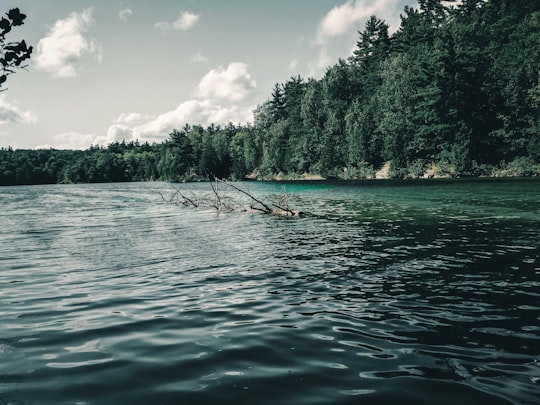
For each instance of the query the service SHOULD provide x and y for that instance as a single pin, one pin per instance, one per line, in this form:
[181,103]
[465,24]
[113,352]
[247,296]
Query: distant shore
[387,172]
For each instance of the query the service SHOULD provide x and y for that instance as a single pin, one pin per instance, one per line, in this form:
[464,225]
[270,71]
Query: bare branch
[266,207]
[225,203]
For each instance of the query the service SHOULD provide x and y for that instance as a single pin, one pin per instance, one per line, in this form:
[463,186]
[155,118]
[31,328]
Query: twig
[162,197]
[218,199]
[174,195]
[190,201]
[266,207]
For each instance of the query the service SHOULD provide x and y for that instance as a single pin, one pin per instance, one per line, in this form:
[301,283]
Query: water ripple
[381,294]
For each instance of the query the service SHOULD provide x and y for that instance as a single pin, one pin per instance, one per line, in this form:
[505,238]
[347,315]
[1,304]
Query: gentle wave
[380,294]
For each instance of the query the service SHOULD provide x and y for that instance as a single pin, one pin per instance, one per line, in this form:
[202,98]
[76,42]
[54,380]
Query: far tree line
[455,89]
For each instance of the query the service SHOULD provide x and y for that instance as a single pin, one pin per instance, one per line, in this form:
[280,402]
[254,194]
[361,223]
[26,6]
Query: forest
[454,92]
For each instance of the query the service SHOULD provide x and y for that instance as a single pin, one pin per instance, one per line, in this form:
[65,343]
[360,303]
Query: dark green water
[387,292]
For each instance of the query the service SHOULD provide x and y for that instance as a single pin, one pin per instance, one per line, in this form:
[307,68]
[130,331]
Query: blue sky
[111,70]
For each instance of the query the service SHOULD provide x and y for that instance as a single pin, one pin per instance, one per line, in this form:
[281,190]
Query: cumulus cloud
[61,52]
[132,119]
[211,105]
[184,22]
[347,19]
[70,140]
[11,113]
[125,13]
[77,140]
[199,58]
[233,83]
[195,112]
[342,19]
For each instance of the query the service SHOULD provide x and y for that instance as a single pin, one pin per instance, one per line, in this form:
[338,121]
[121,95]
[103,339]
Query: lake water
[386,292]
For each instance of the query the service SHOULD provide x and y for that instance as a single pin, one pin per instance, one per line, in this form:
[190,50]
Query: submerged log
[287,213]
[223,202]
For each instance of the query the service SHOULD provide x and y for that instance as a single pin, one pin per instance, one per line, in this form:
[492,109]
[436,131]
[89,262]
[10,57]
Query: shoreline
[329,180]
[387,171]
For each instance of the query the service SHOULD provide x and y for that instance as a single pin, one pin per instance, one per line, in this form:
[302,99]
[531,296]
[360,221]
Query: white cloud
[132,119]
[293,64]
[233,83]
[184,22]
[199,58]
[118,132]
[70,140]
[76,140]
[346,20]
[212,105]
[11,113]
[321,63]
[60,53]
[125,13]
[342,19]
[193,112]
[452,3]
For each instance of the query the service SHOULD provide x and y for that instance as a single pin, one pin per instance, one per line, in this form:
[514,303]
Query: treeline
[455,91]
[118,162]
[193,153]
[455,87]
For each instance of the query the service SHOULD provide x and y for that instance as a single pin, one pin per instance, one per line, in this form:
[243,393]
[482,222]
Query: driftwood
[224,202]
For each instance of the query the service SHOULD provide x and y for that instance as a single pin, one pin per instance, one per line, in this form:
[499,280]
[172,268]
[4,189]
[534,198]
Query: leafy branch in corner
[12,54]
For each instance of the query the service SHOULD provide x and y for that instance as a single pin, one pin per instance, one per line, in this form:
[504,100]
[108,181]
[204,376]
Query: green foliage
[275,148]
[363,139]
[361,171]
[417,168]
[395,100]
[522,166]
[371,50]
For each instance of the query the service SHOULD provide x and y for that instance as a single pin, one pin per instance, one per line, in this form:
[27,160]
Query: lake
[384,292]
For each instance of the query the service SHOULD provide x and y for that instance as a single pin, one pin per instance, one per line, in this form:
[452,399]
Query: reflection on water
[387,291]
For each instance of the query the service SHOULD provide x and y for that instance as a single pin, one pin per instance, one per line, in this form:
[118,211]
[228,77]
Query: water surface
[418,292]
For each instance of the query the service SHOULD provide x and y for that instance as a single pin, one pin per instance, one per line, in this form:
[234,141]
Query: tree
[396,100]
[176,158]
[313,117]
[514,74]
[364,144]
[533,148]
[372,49]
[277,103]
[336,97]
[294,90]
[12,54]
[275,154]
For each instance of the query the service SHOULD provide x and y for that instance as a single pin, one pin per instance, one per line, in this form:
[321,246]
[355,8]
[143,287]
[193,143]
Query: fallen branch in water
[223,202]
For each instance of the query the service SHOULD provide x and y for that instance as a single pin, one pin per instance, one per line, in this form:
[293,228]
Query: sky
[112,70]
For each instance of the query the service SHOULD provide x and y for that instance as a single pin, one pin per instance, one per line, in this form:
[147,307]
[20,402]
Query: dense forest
[455,91]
